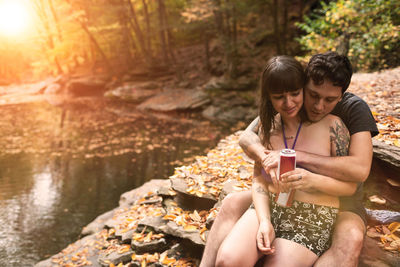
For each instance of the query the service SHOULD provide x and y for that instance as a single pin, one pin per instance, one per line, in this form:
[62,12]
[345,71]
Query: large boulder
[387,153]
[134,92]
[179,99]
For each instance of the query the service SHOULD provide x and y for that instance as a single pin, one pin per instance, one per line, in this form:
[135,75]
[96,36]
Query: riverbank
[166,222]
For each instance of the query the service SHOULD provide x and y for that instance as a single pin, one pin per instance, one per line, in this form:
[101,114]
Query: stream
[62,166]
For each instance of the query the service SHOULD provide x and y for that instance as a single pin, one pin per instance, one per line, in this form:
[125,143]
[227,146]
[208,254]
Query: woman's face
[288,104]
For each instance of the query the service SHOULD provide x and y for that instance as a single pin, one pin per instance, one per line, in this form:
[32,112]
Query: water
[61,167]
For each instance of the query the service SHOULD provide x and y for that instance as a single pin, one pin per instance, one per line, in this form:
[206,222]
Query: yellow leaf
[394,226]
[190,228]
[148,237]
[170,217]
[168,261]
[123,249]
[396,142]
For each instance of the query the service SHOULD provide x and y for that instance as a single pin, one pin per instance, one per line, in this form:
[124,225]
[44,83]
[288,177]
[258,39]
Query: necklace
[284,137]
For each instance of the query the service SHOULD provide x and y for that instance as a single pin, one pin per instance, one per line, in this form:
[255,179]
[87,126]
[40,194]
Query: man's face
[320,100]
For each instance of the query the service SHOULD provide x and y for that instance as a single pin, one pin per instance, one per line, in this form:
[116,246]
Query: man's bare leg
[347,242]
[233,207]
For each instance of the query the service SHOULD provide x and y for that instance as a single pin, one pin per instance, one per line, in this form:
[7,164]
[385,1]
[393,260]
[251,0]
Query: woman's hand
[297,179]
[265,236]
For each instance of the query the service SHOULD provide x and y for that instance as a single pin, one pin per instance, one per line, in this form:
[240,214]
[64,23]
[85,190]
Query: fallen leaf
[394,226]
[377,199]
[393,182]
[190,228]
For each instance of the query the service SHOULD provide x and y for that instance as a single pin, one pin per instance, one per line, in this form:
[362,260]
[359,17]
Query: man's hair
[332,67]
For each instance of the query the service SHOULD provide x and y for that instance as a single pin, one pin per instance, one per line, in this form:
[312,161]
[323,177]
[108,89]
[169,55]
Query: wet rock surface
[179,99]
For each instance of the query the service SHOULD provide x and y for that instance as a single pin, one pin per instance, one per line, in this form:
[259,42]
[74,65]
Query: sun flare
[15,17]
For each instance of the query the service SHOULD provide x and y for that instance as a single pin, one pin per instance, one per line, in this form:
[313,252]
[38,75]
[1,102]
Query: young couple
[331,166]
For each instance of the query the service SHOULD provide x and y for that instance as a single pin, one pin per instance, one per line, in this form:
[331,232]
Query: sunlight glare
[14,17]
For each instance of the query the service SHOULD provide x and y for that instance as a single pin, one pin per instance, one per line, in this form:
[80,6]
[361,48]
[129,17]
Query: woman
[296,235]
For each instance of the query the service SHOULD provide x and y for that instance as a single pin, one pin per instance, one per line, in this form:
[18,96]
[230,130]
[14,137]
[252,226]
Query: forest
[41,38]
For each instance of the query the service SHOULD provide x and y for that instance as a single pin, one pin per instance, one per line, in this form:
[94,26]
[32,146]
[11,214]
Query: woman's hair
[281,74]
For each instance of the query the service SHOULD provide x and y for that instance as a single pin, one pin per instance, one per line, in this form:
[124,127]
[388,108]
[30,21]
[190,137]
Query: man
[323,94]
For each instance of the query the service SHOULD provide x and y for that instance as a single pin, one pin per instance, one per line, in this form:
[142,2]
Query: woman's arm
[265,233]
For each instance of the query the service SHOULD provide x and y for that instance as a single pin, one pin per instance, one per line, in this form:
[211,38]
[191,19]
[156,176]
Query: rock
[134,92]
[84,247]
[221,83]
[115,257]
[171,228]
[214,83]
[176,100]
[150,247]
[54,88]
[188,201]
[229,114]
[130,197]
[372,255]
[211,112]
[387,153]
[85,86]
[98,223]
[382,216]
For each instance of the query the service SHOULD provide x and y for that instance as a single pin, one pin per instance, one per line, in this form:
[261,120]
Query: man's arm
[250,142]
[353,168]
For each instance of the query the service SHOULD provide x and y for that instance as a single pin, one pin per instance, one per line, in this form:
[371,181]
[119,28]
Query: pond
[61,167]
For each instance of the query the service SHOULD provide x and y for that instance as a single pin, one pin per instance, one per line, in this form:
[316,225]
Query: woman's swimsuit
[307,224]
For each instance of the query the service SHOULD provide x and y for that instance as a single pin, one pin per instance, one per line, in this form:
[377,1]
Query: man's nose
[319,105]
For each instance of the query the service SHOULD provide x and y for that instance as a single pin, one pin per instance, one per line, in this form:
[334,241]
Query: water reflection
[54,181]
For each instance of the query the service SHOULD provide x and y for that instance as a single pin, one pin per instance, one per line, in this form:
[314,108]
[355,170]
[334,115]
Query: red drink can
[287,163]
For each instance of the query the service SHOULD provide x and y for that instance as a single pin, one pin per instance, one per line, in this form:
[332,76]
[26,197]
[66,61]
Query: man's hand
[265,236]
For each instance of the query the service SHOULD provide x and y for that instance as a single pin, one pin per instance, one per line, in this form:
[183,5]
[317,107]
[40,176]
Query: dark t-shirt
[355,114]
[357,117]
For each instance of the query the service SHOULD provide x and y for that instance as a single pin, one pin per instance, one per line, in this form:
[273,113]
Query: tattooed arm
[352,165]
[250,142]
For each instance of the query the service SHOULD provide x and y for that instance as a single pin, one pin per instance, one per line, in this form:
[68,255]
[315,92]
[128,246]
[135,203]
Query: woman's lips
[291,110]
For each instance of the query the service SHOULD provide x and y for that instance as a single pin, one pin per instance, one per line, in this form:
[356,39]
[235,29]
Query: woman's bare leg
[289,254]
[233,207]
[239,247]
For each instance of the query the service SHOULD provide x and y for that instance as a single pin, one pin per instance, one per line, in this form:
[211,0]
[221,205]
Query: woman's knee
[226,257]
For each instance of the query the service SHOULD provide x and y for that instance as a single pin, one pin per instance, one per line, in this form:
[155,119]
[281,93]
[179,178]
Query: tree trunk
[41,12]
[56,21]
[96,45]
[284,26]
[148,36]
[275,16]
[161,28]
[138,32]
[219,22]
